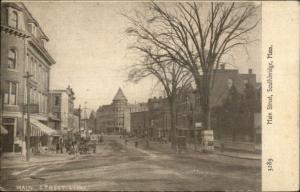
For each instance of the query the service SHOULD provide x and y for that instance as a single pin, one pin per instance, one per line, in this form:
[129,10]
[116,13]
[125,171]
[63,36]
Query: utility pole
[79,119]
[85,119]
[28,129]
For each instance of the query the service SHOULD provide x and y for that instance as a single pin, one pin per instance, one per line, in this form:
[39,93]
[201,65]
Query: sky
[88,43]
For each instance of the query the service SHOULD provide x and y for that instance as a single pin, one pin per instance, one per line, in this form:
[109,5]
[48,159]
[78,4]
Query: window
[12,59]
[31,96]
[33,29]
[40,102]
[46,79]
[27,63]
[10,93]
[13,19]
[39,73]
[56,100]
[25,95]
[32,66]
[45,104]
[36,97]
[36,69]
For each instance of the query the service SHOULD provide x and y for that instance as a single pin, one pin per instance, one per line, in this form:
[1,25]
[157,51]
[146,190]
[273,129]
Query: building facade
[92,122]
[115,118]
[154,122]
[236,109]
[61,104]
[23,50]
[110,118]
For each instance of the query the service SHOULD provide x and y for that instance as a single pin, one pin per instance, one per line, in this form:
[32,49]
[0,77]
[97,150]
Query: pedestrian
[57,147]
[136,144]
[61,146]
[75,149]
[126,141]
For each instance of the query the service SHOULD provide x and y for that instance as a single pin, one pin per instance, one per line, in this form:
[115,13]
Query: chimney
[222,66]
[249,71]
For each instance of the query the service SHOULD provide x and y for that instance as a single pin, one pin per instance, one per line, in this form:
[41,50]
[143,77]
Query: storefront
[7,140]
[4,132]
[41,135]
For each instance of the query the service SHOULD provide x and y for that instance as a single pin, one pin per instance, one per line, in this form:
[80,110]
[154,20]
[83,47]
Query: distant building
[61,104]
[115,118]
[153,122]
[23,50]
[235,103]
[129,110]
[92,122]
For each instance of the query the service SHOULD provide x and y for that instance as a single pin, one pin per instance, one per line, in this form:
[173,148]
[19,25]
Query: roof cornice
[13,31]
[42,50]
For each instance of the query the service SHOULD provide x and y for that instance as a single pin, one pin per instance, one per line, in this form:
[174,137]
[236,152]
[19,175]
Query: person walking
[75,149]
[61,146]
[57,146]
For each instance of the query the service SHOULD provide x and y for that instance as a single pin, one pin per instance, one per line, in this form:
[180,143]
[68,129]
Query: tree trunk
[204,92]
[173,123]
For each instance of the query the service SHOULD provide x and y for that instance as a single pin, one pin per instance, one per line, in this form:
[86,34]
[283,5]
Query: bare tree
[172,77]
[196,36]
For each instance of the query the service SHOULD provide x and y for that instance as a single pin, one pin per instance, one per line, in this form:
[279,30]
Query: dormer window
[13,19]
[33,29]
[12,59]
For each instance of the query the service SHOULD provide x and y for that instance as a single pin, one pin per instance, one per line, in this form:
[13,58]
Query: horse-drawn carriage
[87,146]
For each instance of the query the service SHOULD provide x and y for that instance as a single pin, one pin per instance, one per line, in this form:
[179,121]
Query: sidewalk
[241,155]
[166,148]
[17,160]
[229,158]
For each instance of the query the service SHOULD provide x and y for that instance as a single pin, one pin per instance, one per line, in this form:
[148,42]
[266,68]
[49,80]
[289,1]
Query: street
[116,166]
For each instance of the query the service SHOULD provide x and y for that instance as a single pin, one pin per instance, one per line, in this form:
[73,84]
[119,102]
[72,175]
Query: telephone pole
[79,118]
[28,129]
[85,119]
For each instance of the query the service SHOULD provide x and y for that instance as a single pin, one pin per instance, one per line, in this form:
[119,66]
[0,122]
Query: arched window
[13,19]
[12,59]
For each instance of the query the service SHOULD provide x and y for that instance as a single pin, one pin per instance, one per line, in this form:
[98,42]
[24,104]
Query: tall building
[23,49]
[115,118]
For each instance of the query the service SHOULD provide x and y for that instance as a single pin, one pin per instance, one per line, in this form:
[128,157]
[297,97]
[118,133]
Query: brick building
[115,118]
[61,108]
[154,122]
[23,50]
[246,127]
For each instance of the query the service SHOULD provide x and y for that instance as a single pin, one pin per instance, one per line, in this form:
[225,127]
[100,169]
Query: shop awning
[3,130]
[43,128]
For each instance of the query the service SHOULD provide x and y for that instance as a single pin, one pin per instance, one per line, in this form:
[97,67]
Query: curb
[30,164]
[240,157]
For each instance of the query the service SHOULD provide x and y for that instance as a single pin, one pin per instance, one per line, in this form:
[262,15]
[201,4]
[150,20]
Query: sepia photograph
[132,96]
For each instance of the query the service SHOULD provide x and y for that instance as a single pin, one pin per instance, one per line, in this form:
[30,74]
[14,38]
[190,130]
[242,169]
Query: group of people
[71,147]
[136,143]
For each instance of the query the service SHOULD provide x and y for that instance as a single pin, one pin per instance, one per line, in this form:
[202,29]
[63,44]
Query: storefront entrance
[8,139]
